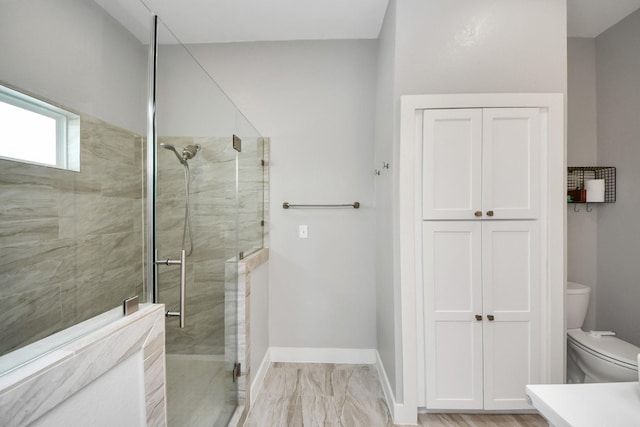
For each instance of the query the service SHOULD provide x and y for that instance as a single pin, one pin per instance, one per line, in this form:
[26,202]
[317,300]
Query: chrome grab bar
[183,283]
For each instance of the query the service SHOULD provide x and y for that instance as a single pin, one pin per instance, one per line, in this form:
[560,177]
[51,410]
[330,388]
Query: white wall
[388,304]
[316,101]
[189,103]
[472,46]
[582,151]
[618,104]
[73,53]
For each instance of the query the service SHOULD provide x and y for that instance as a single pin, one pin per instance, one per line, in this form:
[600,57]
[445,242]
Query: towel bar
[355,205]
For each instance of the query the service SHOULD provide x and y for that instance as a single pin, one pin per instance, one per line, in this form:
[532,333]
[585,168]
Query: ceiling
[216,21]
[589,18]
[205,21]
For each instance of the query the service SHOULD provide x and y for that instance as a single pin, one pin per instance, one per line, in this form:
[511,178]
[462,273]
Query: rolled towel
[595,190]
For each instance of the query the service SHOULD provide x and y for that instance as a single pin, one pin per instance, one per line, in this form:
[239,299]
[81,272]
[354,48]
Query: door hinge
[237,371]
[262,223]
[130,305]
[237,143]
[262,162]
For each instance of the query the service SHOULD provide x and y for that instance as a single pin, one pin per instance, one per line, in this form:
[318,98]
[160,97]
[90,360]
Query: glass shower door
[196,205]
[199,361]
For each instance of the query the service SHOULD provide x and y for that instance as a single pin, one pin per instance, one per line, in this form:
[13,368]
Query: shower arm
[183,282]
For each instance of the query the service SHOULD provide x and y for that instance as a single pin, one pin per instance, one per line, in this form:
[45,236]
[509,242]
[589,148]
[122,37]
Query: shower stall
[168,195]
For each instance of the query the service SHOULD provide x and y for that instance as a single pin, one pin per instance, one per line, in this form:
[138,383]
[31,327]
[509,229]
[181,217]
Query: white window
[33,131]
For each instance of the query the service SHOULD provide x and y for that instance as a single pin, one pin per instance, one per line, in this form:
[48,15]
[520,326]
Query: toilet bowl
[593,356]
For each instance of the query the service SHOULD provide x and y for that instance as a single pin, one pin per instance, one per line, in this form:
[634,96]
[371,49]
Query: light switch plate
[303,231]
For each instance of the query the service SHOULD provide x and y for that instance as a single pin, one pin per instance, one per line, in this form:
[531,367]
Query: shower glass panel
[195,117]
[71,242]
[251,183]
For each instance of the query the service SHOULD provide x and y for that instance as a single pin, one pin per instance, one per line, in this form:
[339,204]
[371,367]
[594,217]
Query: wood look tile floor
[481,420]
[309,394]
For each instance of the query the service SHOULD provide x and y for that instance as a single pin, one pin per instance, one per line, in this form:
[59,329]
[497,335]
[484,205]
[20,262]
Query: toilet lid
[608,346]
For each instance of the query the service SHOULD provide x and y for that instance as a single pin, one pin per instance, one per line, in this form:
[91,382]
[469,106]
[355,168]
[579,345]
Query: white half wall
[113,374]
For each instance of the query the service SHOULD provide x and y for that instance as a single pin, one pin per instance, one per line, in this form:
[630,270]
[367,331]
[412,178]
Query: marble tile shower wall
[71,243]
[216,218]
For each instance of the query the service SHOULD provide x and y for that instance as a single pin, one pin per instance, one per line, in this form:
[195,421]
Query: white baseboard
[404,416]
[258,378]
[399,413]
[386,387]
[365,356]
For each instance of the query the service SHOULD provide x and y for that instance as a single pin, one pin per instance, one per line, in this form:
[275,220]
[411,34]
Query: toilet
[595,356]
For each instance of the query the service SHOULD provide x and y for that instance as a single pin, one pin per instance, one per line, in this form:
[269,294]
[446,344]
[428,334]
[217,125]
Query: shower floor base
[199,391]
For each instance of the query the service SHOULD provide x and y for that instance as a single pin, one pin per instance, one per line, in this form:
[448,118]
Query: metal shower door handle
[183,283]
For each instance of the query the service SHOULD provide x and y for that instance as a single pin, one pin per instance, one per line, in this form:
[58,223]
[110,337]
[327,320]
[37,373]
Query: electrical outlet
[303,231]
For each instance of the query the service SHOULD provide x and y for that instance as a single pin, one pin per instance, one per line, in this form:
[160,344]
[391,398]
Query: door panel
[511,293]
[509,365]
[451,163]
[452,298]
[456,381]
[510,162]
[508,269]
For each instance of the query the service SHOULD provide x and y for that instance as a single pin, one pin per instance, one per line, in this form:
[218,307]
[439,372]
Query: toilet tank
[577,304]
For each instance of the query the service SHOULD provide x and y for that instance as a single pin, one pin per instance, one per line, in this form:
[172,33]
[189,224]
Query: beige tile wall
[218,220]
[72,246]
[71,243]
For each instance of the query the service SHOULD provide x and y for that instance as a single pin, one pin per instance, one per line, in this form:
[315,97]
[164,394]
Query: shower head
[190,151]
[173,148]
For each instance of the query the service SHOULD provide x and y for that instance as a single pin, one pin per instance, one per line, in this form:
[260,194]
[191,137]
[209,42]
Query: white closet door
[511,294]
[511,162]
[452,299]
[452,156]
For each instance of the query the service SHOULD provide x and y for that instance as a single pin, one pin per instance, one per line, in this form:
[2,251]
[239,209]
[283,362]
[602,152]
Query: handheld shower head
[190,151]
[173,148]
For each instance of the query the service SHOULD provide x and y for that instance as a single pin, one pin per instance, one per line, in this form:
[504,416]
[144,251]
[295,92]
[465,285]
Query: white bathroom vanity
[587,405]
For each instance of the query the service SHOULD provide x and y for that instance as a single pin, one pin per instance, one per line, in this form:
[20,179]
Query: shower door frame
[152,173]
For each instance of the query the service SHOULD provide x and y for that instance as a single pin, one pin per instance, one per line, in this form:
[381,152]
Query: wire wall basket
[577,175]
